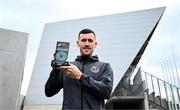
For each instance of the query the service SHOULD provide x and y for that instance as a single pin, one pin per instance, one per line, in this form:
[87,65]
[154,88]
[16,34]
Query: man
[86,82]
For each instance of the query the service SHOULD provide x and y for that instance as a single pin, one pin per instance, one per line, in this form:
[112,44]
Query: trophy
[61,54]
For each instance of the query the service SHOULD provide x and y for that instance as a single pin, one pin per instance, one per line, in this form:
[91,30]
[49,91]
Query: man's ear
[77,42]
[95,45]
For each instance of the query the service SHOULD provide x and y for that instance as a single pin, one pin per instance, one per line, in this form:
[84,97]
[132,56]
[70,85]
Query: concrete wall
[12,59]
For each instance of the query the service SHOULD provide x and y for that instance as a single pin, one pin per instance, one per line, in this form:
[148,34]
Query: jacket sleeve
[54,83]
[101,88]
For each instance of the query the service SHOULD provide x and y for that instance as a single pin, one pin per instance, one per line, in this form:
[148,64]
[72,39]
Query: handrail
[161,89]
[136,81]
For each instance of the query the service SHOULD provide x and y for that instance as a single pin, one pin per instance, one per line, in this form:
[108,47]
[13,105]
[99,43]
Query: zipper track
[82,87]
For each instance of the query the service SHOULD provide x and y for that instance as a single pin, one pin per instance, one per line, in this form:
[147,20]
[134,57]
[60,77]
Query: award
[61,54]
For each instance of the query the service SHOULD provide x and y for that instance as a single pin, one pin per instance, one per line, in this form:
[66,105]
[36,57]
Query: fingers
[67,70]
[69,73]
[72,71]
[57,68]
[65,67]
[71,65]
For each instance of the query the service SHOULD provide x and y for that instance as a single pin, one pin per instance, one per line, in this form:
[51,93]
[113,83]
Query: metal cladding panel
[13,46]
[119,37]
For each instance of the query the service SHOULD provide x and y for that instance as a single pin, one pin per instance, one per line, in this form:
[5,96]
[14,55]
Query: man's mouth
[87,48]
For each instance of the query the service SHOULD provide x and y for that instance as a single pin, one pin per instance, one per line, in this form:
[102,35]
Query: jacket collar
[85,58]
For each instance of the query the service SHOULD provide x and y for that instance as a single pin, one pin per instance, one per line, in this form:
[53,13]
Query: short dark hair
[86,31]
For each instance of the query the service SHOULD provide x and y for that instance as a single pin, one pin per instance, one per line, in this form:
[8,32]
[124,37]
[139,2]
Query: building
[122,39]
[13,47]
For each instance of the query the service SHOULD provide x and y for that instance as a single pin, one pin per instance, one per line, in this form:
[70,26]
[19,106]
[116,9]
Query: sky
[30,16]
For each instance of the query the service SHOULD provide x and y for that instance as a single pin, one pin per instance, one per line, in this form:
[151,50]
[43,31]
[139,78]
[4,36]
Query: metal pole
[164,76]
[169,72]
[167,96]
[171,66]
[160,99]
[146,82]
[172,93]
[178,93]
[153,88]
[168,78]
[177,74]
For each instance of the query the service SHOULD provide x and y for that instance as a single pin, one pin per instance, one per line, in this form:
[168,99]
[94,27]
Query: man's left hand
[72,71]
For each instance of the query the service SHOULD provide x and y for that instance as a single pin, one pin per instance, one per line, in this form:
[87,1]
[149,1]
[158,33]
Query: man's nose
[87,42]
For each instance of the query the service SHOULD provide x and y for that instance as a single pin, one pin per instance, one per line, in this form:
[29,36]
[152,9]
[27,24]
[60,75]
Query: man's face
[86,43]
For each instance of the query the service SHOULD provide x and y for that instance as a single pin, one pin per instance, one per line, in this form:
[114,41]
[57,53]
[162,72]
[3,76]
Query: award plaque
[61,54]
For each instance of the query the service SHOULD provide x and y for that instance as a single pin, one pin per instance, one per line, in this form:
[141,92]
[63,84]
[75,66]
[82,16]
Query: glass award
[61,54]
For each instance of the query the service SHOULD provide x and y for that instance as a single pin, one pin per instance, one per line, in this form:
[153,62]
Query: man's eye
[90,40]
[83,40]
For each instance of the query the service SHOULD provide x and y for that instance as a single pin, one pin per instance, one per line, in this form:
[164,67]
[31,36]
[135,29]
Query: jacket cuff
[54,72]
[82,76]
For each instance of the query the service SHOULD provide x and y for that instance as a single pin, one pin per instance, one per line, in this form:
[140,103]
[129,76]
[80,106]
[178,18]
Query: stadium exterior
[122,39]
[13,45]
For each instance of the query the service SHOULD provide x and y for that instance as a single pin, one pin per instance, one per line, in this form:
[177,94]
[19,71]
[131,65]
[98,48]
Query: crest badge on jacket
[94,69]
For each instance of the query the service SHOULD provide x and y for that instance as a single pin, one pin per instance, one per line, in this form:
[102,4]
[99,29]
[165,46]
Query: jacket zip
[82,87]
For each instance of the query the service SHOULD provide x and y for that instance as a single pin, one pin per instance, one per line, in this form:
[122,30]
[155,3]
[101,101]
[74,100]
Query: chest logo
[94,69]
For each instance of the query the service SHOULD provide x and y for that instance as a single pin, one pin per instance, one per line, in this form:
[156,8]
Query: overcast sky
[30,16]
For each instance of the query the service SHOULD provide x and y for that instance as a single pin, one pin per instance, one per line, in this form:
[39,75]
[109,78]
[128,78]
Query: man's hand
[71,71]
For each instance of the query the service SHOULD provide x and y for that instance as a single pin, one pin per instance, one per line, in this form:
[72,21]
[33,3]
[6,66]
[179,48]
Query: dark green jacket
[89,91]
